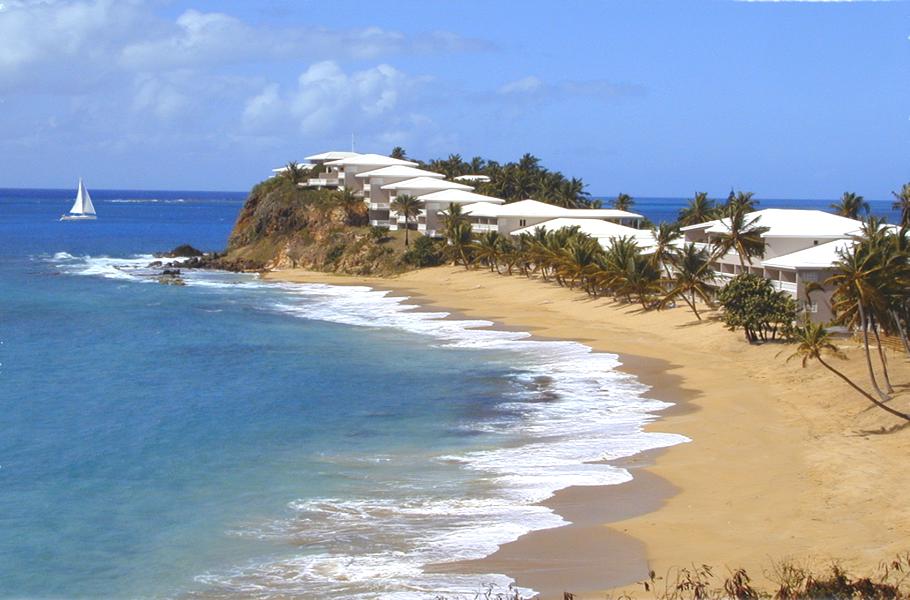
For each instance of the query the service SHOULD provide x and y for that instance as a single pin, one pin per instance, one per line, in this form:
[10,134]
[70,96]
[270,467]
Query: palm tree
[743,200]
[665,236]
[642,279]
[622,202]
[692,278]
[699,210]
[611,272]
[451,217]
[294,172]
[408,207]
[488,248]
[814,342]
[902,203]
[460,238]
[399,153]
[743,235]
[856,296]
[850,205]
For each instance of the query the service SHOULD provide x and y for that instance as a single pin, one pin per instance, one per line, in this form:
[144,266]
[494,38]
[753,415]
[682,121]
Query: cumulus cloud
[326,97]
[47,42]
[61,45]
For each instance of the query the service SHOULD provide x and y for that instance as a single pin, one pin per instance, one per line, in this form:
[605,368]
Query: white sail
[87,207]
[83,204]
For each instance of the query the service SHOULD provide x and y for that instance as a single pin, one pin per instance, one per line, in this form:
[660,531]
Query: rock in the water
[181,251]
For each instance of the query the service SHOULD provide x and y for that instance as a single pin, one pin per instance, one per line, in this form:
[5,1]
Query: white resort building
[602,231]
[379,180]
[801,247]
[507,218]
[342,173]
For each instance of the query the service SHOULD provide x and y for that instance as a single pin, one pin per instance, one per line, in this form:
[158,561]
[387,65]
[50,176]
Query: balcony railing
[380,205]
[784,286]
[323,181]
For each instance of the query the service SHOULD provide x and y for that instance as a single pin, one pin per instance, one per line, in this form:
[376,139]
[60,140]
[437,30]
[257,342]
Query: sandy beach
[784,462]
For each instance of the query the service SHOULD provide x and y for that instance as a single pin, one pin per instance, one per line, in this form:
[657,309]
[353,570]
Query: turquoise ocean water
[233,438]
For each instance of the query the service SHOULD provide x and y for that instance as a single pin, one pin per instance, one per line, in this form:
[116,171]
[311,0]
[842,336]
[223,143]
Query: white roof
[370,160]
[482,209]
[482,178]
[459,197]
[401,172]
[426,184]
[533,208]
[600,230]
[816,257]
[791,222]
[332,155]
[301,165]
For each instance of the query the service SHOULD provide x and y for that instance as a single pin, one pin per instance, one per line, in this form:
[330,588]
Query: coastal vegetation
[513,181]
[283,225]
[788,580]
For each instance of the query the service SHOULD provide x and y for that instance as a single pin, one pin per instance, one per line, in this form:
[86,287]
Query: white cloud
[534,87]
[63,44]
[326,98]
[524,85]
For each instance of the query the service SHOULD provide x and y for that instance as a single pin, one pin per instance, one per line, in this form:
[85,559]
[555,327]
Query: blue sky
[787,99]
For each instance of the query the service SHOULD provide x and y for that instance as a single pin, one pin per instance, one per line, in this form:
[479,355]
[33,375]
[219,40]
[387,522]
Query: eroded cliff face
[282,226]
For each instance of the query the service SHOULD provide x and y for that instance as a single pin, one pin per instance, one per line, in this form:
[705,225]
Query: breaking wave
[568,409]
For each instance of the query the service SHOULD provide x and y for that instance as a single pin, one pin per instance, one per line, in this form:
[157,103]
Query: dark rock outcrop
[283,226]
[181,251]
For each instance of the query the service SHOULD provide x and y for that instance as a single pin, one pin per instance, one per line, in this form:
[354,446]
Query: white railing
[483,227]
[323,181]
[380,205]
[784,286]
[379,222]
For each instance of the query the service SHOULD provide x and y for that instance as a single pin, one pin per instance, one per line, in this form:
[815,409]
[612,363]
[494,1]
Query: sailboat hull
[78,218]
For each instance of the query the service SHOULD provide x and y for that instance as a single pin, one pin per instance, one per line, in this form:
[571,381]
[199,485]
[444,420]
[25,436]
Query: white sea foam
[569,409]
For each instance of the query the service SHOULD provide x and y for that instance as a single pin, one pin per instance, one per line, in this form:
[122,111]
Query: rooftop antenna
[352,142]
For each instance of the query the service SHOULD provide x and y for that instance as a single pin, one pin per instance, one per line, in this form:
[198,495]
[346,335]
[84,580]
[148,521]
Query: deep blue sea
[236,438]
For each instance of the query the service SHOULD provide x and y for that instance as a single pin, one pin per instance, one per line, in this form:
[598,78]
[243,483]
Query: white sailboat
[83,209]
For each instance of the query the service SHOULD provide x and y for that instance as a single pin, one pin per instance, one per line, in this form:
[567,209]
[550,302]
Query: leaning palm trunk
[882,358]
[901,330]
[865,325]
[866,394]
[692,304]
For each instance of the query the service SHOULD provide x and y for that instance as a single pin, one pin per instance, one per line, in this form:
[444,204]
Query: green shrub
[750,302]
[424,252]
[378,234]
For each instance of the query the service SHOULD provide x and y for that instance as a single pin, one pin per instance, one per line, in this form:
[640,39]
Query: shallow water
[236,437]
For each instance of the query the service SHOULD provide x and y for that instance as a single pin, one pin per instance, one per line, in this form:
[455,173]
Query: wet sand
[784,462]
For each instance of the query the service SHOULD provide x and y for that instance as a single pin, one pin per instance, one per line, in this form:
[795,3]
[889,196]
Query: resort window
[522,222]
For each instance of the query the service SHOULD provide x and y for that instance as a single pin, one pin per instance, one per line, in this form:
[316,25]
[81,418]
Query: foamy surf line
[570,410]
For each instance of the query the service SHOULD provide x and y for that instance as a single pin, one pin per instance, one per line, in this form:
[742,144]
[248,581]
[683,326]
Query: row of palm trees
[576,260]
[851,205]
[871,279]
